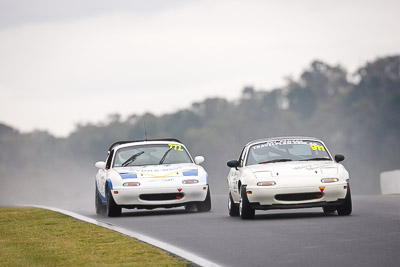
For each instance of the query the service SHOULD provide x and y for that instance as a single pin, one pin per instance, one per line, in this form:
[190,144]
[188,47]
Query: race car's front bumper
[258,206]
[261,197]
[132,197]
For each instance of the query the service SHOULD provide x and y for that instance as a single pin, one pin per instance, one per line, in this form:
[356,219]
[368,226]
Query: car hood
[296,168]
[159,171]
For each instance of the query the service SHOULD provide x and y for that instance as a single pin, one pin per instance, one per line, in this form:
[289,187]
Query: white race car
[148,174]
[287,173]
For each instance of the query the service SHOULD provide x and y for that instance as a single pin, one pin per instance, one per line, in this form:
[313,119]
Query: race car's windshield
[155,154]
[286,150]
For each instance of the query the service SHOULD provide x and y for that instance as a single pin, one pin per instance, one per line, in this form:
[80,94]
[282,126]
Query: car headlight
[131,184]
[329,180]
[266,183]
[190,181]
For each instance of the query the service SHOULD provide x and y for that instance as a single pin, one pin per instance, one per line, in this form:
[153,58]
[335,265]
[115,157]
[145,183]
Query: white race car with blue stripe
[148,174]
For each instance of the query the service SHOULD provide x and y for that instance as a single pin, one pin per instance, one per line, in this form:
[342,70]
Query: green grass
[36,237]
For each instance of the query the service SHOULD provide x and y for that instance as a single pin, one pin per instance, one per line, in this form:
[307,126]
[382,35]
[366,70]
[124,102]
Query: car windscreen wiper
[314,159]
[164,156]
[132,159]
[275,160]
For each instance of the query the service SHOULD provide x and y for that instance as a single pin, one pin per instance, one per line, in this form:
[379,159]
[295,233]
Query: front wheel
[233,208]
[346,208]
[245,210]
[113,210]
[206,204]
[98,204]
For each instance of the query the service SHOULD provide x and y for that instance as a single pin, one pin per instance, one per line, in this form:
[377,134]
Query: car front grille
[164,196]
[299,196]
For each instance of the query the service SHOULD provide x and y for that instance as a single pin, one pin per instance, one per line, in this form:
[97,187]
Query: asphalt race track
[307,237]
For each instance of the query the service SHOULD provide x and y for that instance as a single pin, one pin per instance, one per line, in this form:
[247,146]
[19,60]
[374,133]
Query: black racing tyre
[100,208]
[245,210]
[205,205]
[112,210]
[233,208]
[329,209]
[346,208]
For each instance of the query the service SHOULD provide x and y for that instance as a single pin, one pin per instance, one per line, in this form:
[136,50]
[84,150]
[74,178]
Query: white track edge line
[152,241]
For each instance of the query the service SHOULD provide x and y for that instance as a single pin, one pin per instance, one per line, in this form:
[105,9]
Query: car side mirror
[233,164]
[100,165]
[339,158]
[198,160]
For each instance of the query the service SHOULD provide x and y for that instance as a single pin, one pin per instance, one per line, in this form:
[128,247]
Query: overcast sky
[75,61]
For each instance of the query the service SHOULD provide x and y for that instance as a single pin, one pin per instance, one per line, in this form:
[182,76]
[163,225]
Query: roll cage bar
[144,140]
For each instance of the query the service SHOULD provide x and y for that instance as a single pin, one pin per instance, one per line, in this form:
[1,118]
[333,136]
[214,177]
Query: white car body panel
[291,177]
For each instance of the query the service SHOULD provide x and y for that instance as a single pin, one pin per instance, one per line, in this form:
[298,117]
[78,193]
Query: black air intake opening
[164,196]
[299,196]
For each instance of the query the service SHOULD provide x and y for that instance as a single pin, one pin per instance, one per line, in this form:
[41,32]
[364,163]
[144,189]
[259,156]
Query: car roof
[119,143]
[282,138]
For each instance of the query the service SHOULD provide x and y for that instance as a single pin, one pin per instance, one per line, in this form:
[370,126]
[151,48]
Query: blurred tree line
[357,115]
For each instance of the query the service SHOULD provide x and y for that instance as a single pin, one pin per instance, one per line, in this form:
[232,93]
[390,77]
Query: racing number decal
[317,147]
[176,147]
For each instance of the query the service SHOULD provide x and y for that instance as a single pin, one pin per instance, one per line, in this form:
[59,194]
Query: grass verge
[36,237]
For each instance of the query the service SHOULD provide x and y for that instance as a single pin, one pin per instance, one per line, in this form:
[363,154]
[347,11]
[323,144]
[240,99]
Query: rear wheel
[245,210]
[346,207]
[233,208]
[206,204]
[113,210]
